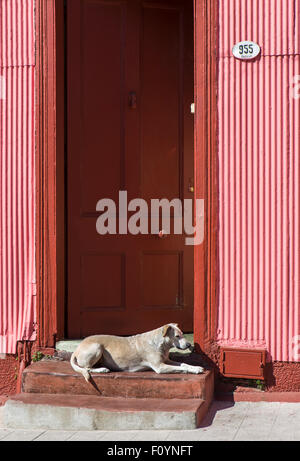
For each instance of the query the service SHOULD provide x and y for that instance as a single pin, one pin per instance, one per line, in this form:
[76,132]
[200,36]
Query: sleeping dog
[146,351]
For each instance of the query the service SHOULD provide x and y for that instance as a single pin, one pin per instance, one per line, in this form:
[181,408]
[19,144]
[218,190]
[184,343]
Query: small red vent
[243,363]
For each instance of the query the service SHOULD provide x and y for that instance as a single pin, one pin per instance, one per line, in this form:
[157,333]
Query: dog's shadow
[191,358]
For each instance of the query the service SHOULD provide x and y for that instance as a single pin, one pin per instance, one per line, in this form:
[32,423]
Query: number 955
[246,49]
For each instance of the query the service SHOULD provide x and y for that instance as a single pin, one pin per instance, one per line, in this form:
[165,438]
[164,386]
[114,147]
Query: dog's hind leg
[89,357]
[92,356]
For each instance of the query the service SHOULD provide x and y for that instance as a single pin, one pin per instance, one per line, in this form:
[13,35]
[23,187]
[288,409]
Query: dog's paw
[185,368]
[192,369]
[105,370]
[100,370]
[198,370]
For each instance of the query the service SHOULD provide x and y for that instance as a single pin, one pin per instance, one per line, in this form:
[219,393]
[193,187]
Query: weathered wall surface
[8,375]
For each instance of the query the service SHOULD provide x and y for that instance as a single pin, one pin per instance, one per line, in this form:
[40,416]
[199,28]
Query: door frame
[50,171]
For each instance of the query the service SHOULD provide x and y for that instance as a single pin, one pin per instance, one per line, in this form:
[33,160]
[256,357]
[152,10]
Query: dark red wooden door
[130,87]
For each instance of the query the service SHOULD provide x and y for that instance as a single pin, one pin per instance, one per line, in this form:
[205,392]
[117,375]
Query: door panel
[165,272]
[130,86]
[102,81]
[110,286]
[162,101]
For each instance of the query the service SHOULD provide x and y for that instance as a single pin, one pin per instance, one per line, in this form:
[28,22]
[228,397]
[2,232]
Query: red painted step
[51,377]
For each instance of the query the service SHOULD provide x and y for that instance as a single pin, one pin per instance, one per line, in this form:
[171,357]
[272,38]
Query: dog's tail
[83,371]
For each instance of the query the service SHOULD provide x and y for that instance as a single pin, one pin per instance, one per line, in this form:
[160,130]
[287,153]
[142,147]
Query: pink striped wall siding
[274,24]
[17,33]
[17,205]
[259,184]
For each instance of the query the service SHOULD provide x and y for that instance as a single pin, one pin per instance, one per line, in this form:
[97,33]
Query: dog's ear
[165,330]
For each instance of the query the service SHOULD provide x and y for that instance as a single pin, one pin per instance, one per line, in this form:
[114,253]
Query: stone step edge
[61,412]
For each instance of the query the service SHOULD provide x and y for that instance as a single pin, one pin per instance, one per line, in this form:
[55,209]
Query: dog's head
[173,336]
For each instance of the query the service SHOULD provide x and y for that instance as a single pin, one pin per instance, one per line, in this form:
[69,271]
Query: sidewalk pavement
[225,421]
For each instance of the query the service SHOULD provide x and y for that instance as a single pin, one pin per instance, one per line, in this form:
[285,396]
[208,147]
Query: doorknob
[191,185]
[132,100]
[162,234]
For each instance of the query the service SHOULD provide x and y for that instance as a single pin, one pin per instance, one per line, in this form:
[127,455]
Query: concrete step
[57,377]
[88,412]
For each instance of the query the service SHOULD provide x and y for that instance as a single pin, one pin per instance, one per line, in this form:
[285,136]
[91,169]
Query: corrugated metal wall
[259,177]
[17,269]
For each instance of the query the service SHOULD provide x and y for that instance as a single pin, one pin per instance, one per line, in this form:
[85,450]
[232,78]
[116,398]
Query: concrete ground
[225,421]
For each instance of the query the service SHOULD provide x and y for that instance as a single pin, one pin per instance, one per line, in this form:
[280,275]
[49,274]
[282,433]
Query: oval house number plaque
[246,50]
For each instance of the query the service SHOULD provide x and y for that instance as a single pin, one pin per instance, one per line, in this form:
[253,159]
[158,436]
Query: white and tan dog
[146,351]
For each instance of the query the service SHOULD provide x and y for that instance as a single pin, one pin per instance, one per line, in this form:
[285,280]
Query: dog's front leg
[182,368]
[99,370]
[190,368]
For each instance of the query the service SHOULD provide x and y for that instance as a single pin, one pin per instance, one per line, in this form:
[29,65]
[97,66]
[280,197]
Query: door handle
[132,100]
[191,185]
[162,234]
